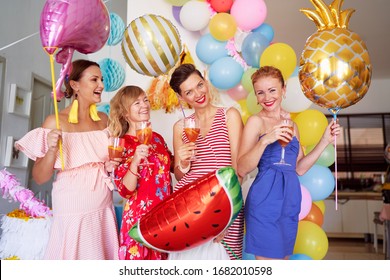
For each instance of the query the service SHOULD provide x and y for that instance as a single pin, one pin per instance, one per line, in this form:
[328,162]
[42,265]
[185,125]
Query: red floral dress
[154,184]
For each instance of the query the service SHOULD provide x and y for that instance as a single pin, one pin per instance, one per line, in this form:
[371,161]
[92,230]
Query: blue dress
[273,204]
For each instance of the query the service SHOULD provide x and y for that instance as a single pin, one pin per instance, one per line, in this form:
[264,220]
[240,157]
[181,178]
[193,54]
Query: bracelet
[135,174]
[184,170]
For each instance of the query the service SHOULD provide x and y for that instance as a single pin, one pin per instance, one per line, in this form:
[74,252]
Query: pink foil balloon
[73,25]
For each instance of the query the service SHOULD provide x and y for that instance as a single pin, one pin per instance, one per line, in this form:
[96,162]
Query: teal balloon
[209,50]
[225,73]
[299,257]
[319,181]
[327,156]
[252,48]
[266,30]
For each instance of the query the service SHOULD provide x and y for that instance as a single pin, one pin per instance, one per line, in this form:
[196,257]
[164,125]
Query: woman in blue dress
[273,203]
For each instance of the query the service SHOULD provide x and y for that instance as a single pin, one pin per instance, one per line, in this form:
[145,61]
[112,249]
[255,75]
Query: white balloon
[194,15]
[295,100]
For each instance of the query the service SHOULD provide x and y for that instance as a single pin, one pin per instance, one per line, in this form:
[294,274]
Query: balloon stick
[334,111]
[55,100]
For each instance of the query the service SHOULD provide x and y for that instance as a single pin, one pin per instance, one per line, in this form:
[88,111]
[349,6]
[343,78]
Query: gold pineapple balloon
[335,70]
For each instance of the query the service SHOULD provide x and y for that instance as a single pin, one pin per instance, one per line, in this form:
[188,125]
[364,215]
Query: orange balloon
[315,215]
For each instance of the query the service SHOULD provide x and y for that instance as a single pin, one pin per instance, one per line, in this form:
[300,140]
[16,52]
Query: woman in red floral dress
[143,186]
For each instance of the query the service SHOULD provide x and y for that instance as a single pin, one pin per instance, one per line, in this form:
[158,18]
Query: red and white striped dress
[213,152]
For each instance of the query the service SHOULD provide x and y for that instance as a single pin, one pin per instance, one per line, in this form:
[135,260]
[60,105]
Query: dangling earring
[93,113]
[73,113]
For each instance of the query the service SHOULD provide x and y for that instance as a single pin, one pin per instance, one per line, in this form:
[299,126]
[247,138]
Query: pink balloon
[73,25]
[249,14]
[237,93]
[306,203]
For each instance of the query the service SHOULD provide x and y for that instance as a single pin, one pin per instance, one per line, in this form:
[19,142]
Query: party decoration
[193,215]
[251,103]
[306,203]
[315,215]
[237,93]
[249,14]
[327,156]
[11,189]
[105,108]
[222,26]
[320,204]
[299,257]
[177,2]
[208,49]
[311,240]
[295,100]
[311,125]
[266,30]
[83,26]
[225,73]
[195,15]
[281,56]
[117,27]
[246,79]
[319,181]
[113,74]
[151,45]
[221,6]
[335,69]
[252,48]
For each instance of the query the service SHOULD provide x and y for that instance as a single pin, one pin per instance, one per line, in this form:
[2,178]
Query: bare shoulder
[233,113]
[103,123]
[50,122]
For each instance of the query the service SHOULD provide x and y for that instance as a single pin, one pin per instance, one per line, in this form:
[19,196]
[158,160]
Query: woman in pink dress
[215,147]
[142,185]
[84,224]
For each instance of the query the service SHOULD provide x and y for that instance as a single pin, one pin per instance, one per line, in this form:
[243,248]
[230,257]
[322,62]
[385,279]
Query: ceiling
[370,21]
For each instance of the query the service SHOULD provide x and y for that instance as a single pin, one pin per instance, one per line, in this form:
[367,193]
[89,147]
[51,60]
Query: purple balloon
[73,25]
[176,13]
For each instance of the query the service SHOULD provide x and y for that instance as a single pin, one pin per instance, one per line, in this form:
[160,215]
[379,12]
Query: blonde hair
[119,107]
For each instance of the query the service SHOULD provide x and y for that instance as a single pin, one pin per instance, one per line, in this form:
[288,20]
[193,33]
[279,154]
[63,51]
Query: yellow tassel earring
[93,113]
[73,113]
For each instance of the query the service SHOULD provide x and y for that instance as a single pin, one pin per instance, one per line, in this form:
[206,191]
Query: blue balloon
[319,181]
[252,48]
[266,30]
[209,50]
[295,73]
[225,73]
[299,257]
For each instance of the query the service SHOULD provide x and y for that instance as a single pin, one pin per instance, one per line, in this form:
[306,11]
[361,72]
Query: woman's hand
[278,132]
[53,137]
[112,164]
[331,132]
[141,153]
[185,152]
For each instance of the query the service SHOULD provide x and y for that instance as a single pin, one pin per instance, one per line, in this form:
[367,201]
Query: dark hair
[181,74]
[78,67]
[267,71]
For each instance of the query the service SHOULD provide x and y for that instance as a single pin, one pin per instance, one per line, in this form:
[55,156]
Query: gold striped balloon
[151,45]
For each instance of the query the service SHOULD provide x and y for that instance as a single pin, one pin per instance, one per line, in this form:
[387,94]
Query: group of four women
[84,225]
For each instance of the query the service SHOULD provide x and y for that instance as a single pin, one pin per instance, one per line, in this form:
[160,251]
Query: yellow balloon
[251,103]
[244,110]
[281,56]
[311,240]
[321,205]
[222,26]
[311,125]
[151,45]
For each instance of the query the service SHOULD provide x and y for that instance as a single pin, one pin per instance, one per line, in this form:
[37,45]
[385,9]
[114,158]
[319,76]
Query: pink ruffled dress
[84,224]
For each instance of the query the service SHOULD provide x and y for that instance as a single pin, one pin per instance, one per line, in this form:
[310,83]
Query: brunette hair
[181,74]
[78,67]
[267,71]
[119,107]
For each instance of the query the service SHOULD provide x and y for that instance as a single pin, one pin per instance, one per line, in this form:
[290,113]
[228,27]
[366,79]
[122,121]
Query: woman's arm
[304,163]
[235,128]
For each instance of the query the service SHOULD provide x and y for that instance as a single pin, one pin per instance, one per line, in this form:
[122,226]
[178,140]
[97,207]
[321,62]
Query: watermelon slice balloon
[193,215]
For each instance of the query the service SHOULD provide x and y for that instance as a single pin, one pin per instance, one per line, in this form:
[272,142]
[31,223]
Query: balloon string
[334,111]
[56,107]
[230,250]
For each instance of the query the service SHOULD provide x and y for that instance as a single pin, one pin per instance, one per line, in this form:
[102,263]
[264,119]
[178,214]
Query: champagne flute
[289,124]
[144,132]
[116,148]
[192,130]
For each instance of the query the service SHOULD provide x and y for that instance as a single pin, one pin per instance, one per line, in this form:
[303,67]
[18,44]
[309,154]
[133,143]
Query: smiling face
[139,110]
[90,86]
[269,92]
[194,90]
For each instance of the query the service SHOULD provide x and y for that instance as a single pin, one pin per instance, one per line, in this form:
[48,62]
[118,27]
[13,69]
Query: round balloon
[299,257]
[151,45]
[311,240]
[225,73]
[315,215]
[319,181]
[194,15]
[252,104]
[246,79]
[221,6]
[320,204]
[252,47]
[237,93]
[222,26]
[249,14]
[266,30]
[208,49]
[327,156]
[295,100]
[311,125]
[306,203]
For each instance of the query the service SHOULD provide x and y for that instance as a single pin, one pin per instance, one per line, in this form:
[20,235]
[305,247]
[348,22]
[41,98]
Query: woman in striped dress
[84,224]
[215,147]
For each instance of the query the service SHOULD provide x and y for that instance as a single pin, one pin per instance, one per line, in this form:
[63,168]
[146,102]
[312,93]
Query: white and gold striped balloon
[151,45]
